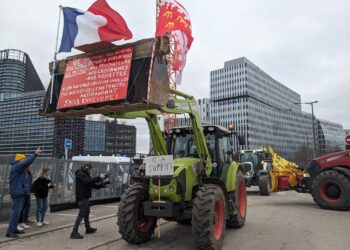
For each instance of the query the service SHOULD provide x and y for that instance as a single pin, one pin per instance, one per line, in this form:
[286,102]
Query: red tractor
[328,180]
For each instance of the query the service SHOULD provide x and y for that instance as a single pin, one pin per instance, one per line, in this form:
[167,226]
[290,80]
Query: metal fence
[62,174]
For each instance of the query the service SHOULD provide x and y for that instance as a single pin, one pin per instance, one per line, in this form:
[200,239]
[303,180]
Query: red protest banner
[96,79]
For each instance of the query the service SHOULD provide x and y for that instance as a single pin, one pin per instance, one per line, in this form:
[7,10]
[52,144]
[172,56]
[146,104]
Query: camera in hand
[103,182]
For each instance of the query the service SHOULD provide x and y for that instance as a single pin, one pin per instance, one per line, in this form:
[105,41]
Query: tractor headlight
[171,189]
[306,175]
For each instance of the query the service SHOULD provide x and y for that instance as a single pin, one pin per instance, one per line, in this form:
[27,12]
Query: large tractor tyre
[240,198]
[264,184]
[134,226]
[331,190]
[209,218]
[184,222]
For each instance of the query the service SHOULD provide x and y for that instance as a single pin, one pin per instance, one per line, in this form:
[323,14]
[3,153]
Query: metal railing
[62,174]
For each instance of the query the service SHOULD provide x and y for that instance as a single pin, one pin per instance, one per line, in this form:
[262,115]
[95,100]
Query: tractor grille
[163,181]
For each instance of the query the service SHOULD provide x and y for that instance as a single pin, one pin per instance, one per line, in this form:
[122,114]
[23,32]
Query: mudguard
[229,174]
[343,170]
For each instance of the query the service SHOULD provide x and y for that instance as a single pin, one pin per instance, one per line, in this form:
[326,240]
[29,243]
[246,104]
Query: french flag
[99,23]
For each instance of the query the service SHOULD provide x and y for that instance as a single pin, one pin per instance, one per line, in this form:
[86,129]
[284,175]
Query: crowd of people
[22,185]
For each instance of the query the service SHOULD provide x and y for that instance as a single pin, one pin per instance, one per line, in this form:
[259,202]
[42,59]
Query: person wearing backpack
[41,191]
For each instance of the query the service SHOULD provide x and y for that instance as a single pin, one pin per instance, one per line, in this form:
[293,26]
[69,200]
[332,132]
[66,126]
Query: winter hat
[19,157]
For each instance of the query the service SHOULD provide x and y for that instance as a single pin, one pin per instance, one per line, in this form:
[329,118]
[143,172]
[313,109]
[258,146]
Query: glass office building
[17,74]
[109,138]
[22,130]
[261,108]
[331,136]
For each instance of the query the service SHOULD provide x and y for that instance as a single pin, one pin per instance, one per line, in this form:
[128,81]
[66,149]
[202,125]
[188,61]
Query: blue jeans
[41,207]
[17,206]
[25,211]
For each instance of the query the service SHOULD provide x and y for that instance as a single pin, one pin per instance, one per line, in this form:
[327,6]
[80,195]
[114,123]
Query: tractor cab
[181,144]
[256,158]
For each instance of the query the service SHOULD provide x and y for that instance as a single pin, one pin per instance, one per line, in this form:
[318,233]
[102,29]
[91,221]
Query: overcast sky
[304,44]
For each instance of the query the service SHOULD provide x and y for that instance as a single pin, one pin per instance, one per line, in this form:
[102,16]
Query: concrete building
[260,107]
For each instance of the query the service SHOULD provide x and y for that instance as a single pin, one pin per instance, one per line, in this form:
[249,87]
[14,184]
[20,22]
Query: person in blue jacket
[19,189]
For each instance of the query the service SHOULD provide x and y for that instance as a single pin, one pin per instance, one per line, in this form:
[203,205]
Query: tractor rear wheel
[134,226]
[264,184]
[331,190]
[240,198]
[208,217]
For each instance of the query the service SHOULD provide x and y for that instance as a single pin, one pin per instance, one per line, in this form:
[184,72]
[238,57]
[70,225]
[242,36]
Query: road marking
[64,214]
[111,206]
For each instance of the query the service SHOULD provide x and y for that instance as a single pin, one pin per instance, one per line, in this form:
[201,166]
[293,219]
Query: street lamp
[313,122]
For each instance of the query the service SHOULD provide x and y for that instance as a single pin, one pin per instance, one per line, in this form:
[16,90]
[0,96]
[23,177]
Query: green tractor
[207,188]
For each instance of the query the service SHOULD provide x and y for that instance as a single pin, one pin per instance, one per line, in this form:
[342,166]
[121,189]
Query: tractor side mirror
[241,140]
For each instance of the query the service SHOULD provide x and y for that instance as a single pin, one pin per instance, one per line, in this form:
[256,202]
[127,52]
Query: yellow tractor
[271,172]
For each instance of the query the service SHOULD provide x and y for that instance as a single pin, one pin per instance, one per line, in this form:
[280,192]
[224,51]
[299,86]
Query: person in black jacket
[41,190]
[83,186]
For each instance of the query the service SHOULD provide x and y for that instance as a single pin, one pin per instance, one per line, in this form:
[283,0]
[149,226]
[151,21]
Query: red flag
[173,16]
[180,49]
[116,27]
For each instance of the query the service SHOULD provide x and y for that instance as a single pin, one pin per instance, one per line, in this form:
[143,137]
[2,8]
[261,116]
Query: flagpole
[153,50]
[55,54]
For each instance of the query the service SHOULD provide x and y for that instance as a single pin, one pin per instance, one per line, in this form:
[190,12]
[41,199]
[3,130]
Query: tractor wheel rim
[242,199]
[143,222]
[330,192]
[219,219]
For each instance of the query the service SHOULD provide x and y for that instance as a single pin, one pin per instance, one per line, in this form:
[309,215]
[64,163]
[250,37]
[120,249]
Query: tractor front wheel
[208,217]
[331,190]
[240,199]
[264,184]
[134,226]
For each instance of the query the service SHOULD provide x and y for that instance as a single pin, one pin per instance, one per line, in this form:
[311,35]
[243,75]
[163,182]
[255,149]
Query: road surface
[285,220]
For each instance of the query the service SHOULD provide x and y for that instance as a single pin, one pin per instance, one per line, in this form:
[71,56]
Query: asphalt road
[285,220]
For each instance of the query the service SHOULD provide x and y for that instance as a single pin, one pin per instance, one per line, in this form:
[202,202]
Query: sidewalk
[60,220]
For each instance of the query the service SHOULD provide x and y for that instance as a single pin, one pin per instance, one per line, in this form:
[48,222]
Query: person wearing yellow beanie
[19,189]
[20,157]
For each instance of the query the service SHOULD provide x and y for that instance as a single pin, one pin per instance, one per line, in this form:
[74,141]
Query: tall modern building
[331,136]
[108,138]
[17,74]
[261,108]
[347,132]
[203,106]
[22,130]
[72,129]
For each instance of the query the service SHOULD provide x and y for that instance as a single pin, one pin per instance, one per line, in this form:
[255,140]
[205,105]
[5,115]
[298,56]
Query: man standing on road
[19,189]
[83,186]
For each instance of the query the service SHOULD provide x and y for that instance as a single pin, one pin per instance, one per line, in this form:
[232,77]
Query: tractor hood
[187,162]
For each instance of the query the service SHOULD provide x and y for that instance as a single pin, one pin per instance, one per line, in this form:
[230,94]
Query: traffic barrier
[62,174]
